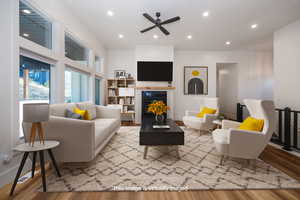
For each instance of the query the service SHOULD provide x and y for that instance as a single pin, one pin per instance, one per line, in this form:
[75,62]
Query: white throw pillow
[91,108]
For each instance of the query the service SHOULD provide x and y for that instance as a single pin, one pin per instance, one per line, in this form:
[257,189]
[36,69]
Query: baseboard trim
[8,176]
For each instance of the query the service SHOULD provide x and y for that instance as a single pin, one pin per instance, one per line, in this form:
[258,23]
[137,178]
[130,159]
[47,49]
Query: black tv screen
[154,71]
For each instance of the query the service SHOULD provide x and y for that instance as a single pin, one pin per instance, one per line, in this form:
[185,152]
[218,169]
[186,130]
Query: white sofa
[230,141]
[206,123]
[80,140]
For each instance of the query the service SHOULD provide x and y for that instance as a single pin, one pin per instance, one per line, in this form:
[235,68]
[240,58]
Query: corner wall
[9,59]
[287,66]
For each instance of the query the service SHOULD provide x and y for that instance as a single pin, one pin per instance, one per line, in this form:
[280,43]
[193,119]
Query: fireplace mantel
[155,88]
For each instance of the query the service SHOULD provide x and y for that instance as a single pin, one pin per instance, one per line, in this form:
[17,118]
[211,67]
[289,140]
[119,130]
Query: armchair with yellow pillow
[203,119]
[247,139]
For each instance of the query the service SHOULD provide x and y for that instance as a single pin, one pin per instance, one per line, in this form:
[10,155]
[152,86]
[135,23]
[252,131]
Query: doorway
[227,88]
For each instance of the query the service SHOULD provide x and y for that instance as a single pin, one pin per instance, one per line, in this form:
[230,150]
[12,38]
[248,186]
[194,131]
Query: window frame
[46,17]
[100,64]
[72,69]
[52,64]
[100,79]
[81,44]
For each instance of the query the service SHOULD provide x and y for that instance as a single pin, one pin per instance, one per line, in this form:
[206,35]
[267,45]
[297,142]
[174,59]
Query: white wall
[10,42]
[154,53]
[9,86]
[227,88]
[255,70]
[127,58]
[287,66]
[121,59]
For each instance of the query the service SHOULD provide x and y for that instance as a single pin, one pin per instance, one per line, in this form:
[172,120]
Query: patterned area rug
[120,166]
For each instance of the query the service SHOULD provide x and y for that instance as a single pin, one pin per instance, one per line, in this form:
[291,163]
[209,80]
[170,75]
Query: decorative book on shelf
[121,93]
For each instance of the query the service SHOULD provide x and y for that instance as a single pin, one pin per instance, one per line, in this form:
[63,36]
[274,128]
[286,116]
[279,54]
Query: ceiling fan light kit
[158,23]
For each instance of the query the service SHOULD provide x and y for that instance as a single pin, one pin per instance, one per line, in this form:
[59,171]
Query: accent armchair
[233,142]
[206,123]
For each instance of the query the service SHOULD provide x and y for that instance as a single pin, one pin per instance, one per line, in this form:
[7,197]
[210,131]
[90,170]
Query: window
[75,51]
[76,86]
[34,26]
[34,83]
[97,91]
[98,64]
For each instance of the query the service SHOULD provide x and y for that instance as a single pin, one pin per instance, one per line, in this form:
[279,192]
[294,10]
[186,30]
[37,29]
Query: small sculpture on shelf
[119,74]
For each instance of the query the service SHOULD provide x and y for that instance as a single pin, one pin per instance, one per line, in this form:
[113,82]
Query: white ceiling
[228,20]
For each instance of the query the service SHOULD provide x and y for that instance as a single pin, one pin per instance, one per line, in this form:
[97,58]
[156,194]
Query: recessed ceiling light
[155,36]
[110,13]
[189,37]
[254,26]
[25,34]
[228,43]
[121,36]
[205,14]
[26,11]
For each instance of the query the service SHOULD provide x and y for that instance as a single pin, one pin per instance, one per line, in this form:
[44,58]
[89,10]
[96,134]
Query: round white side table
[40,148]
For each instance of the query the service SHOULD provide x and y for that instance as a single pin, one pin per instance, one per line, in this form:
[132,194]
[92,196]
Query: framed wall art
[195,80]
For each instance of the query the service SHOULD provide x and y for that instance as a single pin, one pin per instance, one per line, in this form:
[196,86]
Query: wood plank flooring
[285,162]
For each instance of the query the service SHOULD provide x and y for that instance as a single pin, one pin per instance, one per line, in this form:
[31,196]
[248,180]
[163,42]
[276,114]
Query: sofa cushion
[59,110]
[83,113]
[91,108]
[103,129]
[70,114]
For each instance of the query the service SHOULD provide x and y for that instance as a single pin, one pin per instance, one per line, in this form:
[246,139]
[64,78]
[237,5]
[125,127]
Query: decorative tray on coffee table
[165,126]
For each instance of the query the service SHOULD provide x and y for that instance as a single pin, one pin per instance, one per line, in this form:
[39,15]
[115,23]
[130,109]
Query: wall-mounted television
[154,71]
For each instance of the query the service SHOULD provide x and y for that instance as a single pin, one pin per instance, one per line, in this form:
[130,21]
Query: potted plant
[158,108]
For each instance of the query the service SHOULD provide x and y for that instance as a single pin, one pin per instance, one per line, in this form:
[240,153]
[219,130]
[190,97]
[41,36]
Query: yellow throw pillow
[205,111]
[252,124]
[84,113]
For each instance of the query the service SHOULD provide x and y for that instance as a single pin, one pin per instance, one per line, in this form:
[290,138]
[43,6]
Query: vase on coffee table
[159,119]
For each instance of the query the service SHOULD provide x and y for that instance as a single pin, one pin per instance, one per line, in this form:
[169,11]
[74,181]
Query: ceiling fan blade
[163,30]
[170,20]
[148,29]
[149,18]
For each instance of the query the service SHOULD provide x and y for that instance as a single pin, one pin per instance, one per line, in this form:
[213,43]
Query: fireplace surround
[148,97]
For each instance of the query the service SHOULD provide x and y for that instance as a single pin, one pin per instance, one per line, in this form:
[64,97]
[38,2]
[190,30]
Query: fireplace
[148,97]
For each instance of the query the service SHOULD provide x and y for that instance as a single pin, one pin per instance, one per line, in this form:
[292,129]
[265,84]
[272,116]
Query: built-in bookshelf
[121,92]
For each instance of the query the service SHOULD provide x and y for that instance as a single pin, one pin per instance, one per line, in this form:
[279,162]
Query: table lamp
[36,113]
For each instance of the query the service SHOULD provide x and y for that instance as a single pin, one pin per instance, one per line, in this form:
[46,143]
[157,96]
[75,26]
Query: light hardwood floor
[288,163]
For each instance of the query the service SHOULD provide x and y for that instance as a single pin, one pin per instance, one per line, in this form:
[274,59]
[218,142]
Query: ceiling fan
[158,23]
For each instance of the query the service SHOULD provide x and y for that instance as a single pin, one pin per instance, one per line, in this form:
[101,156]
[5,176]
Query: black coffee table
[150,136]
